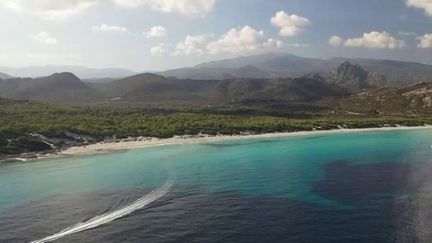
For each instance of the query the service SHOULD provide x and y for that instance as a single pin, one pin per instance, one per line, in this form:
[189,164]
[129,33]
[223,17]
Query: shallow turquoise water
[282,166]
[291,168]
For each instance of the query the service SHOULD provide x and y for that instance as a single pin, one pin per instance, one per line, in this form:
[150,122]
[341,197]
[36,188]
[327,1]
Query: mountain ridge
[397,73]
[80,71]
[348,86]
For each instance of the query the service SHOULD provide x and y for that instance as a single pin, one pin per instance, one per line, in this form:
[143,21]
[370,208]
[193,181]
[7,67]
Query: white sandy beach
[106,147]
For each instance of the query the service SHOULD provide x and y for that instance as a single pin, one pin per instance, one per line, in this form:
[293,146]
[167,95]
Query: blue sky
[162,34]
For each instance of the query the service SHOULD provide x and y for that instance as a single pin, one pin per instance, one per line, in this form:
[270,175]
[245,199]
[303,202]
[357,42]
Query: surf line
[111,216]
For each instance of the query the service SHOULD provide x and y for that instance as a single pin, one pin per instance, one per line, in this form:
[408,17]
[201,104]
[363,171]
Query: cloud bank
[426,5]
[190,8]
[373,40]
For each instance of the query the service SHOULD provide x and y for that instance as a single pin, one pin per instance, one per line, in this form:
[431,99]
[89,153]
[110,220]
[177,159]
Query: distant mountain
[273,65]
[354,78]
[217,73]
[5,76]
[153,87]
[349,86]
[297,90]
[58,87]
[81,72]
[281,63]
[397,73]
[99,80]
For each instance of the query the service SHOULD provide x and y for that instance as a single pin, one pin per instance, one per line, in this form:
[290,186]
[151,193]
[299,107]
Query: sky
[152,35]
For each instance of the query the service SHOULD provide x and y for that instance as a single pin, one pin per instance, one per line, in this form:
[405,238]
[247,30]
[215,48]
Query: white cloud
[192,45]
[290,25]
[108,28]
[191,8]
[425,41]
[272,44]
[236,41]
[336,41]
[156,32]
[376,40]
[45,38]
[241,40]
[51,9]
[158,50]
[426,5]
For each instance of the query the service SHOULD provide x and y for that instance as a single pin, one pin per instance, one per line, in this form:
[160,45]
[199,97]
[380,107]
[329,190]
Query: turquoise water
[294,169]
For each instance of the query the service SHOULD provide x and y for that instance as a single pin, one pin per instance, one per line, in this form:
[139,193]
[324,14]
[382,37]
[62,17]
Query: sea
[372,186]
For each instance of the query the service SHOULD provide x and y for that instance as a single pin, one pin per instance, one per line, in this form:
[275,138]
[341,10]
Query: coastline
[147,142]
[107,147]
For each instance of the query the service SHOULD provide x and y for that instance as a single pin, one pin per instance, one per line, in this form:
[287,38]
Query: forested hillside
[31,126]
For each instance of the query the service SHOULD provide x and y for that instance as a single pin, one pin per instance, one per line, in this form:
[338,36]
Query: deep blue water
[353,187]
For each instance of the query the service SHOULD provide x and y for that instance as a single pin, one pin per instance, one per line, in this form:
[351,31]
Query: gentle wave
[111,216]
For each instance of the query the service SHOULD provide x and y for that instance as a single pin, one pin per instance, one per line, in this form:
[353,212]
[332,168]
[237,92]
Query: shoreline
[107,147]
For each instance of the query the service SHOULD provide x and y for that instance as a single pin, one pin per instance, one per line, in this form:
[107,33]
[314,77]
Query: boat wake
[111,216]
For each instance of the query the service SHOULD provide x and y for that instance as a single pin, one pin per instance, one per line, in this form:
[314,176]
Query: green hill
[59,87]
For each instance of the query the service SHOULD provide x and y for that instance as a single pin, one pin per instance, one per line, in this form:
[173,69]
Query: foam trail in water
[111,216]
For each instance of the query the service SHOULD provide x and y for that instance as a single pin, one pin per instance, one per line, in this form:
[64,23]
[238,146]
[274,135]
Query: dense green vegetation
[20,120]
